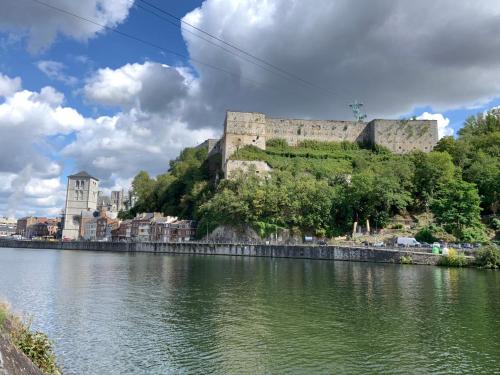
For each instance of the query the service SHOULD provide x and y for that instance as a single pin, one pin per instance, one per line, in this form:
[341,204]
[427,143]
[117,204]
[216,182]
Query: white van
[407,242]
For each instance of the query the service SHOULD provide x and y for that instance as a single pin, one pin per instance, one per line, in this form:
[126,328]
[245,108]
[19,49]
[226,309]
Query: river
[125,313]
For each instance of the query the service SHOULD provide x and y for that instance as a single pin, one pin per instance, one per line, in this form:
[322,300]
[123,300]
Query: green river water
[113,313]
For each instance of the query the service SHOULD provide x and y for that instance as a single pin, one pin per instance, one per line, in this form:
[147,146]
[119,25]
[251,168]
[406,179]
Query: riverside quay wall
[343,253]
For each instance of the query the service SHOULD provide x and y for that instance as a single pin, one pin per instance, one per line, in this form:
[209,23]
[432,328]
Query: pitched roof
[84,175]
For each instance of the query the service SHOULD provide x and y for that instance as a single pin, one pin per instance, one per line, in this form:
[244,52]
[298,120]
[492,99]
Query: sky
[113,87]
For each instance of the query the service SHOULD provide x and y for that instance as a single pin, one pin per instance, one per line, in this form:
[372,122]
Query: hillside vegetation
[322,188]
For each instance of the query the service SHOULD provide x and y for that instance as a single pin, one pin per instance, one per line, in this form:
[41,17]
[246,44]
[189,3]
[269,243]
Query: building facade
[163,229]
[24,224]
[8,227]
[81,196]
[104,227]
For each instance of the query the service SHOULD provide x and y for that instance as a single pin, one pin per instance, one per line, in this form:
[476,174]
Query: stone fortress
[245,128]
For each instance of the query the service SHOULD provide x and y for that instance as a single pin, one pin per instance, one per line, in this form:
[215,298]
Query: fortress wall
[399,136]
[240,129]
[296,131]
[402,136]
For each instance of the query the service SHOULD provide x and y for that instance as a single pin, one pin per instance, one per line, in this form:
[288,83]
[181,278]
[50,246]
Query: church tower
[81,196]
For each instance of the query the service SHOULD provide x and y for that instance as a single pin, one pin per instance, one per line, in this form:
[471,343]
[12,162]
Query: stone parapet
[338,253]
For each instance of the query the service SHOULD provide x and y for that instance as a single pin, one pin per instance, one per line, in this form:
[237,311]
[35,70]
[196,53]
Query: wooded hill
[322,188]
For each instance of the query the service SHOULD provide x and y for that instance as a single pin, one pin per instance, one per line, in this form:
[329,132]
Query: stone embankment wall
[355,254]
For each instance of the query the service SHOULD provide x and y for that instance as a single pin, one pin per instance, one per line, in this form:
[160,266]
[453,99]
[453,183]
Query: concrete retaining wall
[356,254]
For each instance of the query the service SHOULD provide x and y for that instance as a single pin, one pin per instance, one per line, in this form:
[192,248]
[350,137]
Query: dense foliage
[322,188]
[476,152]
[453,259]
[488,257]
[178,192]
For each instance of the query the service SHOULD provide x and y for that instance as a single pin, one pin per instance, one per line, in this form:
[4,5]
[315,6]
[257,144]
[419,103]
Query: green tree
[431,170]
[484,171]
[456,207]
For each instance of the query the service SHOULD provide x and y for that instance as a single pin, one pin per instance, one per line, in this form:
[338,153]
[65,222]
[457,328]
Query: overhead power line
[231,45]
[148,43]
[231,52]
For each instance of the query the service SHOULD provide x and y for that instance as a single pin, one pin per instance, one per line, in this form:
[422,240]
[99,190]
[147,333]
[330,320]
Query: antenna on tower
[357,110]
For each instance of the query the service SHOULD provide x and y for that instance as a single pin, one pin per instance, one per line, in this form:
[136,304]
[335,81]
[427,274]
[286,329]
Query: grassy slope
[322,159]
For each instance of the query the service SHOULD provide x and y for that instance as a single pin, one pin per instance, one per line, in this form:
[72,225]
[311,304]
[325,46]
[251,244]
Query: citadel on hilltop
[250,128]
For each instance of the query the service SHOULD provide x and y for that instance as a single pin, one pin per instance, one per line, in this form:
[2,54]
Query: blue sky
[75,97]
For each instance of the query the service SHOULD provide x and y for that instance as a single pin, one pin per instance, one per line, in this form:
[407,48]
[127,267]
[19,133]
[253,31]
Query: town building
[117,200]
[89,232]
[123,232]
[8,227]
[141,225]
[104,202]
[44,228]
[24,224]
[81,196]
[185,231]
[163,229]
[104,227]
[38,227]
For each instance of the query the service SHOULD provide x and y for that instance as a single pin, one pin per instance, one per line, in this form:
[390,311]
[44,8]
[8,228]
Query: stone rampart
[399,136]
[403,136]
[296,131]
[340,253]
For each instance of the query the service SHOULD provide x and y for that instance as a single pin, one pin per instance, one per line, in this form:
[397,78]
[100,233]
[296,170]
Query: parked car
[379,244]
[407,242]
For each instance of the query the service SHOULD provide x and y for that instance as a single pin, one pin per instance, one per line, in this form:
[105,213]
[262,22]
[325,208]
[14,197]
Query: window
[82,184]
[77,184]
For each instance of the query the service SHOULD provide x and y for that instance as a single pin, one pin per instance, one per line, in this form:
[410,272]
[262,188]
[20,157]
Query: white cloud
[152,87]
[55,70]
[43,24]
[394,56]
[118,147]
[30,179]
[8,85]
[443,123]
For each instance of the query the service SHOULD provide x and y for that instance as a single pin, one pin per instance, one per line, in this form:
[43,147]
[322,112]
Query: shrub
[397,226]
[35,345]
[488,257]
[406,259]
[3,317]
[453,259]
[277,142]
[473,234]
[38,347]
[426,234]
[495,224]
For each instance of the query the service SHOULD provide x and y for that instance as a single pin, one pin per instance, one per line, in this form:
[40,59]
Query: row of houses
[144,227]
[38,227]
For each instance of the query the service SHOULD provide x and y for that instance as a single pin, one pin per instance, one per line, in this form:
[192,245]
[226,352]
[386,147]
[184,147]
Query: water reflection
[152,314]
